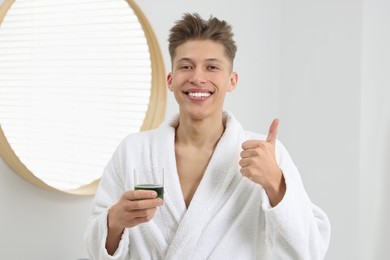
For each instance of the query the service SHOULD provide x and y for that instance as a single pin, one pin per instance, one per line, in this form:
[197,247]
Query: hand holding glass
[149,179]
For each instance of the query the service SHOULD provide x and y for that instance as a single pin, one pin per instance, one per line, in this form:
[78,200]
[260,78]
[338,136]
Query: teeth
[199,94]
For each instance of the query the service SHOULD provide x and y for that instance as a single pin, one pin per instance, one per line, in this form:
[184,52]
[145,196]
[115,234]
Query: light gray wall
[321,66]
[39,225]
[320,103]
[374,211]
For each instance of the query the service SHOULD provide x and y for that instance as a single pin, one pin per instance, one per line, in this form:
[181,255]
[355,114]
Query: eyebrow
[208,60]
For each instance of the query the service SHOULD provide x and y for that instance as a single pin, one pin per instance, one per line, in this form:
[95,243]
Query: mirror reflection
[76,78]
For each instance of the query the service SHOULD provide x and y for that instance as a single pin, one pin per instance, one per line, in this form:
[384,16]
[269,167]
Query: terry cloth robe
[229,217]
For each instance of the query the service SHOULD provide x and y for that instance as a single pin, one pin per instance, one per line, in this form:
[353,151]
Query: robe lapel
[218,175]
[174,208]
[160,231]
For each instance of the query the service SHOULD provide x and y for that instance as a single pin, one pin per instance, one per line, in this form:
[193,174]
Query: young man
[229,193]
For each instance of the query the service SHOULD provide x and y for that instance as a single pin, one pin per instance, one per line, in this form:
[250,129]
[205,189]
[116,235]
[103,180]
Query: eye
[212,67]
[185,67]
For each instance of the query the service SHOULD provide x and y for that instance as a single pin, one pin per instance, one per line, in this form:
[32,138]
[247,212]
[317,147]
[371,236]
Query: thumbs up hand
[258,163]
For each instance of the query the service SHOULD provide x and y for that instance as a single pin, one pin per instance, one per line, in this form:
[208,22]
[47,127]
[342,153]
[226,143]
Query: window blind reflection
[75,79]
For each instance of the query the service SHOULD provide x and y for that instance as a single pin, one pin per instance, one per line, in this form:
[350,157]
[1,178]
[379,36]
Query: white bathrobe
[229,216]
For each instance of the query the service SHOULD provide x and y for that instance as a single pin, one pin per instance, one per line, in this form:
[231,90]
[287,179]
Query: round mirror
[76,77]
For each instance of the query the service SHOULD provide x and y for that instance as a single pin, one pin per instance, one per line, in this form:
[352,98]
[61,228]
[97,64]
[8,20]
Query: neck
[200,133]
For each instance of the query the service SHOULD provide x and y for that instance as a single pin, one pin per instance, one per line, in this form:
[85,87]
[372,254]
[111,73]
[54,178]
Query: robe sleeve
[108,193]
[296,228]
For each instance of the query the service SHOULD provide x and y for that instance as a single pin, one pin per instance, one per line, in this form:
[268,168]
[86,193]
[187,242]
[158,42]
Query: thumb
[273,131]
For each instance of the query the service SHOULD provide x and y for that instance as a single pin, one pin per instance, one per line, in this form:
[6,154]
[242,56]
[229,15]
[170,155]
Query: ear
[169,81]
[233,81]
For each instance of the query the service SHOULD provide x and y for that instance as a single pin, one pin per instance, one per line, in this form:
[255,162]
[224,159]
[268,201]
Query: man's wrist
[276,192]
[111,224]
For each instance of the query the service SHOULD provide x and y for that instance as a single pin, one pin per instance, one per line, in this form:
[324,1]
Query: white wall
[375,132]
[320,103]
[39,225]
[321,66]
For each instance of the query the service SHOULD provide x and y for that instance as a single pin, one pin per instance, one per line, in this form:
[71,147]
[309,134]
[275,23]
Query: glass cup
[149,179]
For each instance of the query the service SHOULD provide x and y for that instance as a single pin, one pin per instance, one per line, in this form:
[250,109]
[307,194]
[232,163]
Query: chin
[201,114]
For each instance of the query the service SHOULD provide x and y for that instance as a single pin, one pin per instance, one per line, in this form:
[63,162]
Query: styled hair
[193,27]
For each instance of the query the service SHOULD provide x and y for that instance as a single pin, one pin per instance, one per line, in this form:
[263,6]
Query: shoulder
[149,138]
[132,141]
[139,136]
[249,135]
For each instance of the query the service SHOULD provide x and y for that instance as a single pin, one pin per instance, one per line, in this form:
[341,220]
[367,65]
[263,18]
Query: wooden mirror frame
[154,115]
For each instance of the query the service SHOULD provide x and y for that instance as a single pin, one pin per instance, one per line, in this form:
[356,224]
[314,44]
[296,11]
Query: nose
[198,77]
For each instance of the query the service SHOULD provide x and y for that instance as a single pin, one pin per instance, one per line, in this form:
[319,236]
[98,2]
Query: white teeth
[199,94]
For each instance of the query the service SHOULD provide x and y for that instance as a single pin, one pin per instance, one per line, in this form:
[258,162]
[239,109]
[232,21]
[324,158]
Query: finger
[143,204]
[250,144]
[140,194]
[144,213]
[244,162]
[246,153]
[139,220]
[145,218]
[246,172]
[273,131]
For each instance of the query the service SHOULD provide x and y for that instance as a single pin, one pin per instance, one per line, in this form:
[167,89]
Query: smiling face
[201,75]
